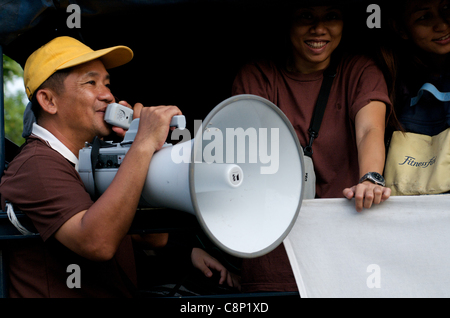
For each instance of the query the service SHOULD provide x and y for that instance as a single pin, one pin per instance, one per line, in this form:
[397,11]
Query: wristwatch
[374,177]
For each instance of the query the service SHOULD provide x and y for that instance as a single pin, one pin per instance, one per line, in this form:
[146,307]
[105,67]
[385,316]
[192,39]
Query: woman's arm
[370,129]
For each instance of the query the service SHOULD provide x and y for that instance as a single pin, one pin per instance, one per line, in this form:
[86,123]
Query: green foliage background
[14,101]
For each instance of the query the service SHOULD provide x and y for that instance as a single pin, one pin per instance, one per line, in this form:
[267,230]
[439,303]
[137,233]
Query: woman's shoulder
[353,68]
[264,66]
[258,73]
[356,62]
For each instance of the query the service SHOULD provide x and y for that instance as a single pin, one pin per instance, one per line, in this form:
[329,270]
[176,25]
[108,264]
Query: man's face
[83,103]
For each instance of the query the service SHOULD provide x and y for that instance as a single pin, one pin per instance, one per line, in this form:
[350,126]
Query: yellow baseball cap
[64,52]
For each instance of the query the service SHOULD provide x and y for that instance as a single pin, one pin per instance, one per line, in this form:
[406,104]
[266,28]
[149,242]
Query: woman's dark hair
[398,58]
[403,63]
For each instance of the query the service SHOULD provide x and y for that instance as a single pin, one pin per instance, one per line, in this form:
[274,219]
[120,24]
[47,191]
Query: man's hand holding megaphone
[159,118]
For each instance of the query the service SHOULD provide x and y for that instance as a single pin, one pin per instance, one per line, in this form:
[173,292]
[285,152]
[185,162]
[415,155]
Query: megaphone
[242,175]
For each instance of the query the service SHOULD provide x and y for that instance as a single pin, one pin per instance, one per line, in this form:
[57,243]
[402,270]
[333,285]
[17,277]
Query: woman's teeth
[444,38]
[316,45]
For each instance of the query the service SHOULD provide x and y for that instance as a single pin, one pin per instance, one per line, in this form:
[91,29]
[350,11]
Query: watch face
[375,177]
[378,177]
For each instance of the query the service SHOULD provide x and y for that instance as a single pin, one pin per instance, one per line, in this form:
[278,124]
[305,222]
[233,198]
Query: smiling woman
[350,145]
[421,45]
[426,24]
[316,32]
[420,68]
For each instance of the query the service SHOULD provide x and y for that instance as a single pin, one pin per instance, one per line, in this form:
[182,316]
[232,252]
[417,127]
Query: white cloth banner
[400,248]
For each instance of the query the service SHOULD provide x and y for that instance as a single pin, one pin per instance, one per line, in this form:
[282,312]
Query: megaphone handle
[178,121]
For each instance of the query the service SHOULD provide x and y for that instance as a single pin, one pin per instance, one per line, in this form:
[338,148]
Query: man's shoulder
[34,152]
[36,146]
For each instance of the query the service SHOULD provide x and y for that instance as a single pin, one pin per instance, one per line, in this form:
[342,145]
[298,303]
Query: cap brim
[111,57]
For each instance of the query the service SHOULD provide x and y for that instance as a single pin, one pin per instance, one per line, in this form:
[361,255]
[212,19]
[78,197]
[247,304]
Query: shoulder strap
[441,96]
[319,110]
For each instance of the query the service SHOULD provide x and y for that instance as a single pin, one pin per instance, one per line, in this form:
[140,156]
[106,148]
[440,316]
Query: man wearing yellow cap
[69,88]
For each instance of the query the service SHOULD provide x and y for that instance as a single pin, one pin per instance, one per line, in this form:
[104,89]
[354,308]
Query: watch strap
[370,177]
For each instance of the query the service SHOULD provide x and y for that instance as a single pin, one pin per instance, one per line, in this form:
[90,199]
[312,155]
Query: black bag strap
[319,110]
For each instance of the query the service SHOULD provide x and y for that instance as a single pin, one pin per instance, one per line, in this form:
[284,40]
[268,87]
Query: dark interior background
[186,52]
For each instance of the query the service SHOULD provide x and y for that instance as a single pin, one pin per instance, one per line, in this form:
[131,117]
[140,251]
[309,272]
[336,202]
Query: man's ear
[46,98]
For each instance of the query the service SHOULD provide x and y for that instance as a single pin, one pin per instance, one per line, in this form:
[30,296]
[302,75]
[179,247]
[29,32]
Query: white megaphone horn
[242,175]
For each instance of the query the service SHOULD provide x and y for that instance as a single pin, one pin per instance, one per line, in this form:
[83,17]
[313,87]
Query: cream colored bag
[418,164]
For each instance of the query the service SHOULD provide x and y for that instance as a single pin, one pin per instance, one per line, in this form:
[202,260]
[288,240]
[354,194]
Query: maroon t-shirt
[43,184]
[358,82]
